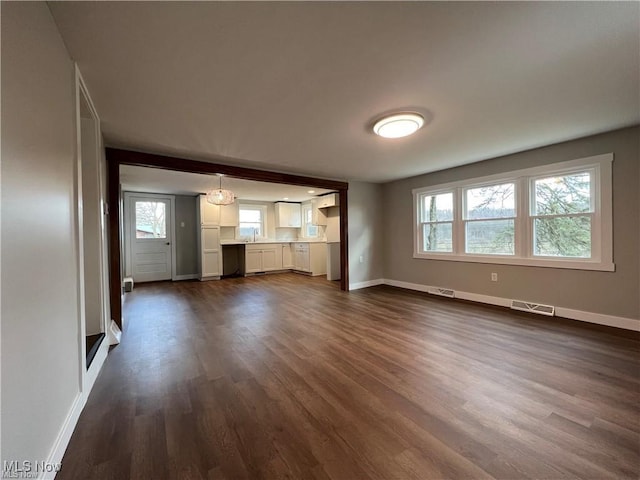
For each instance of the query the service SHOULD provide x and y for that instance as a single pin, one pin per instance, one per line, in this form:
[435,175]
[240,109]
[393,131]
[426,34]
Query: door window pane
[151,220]
[562,236]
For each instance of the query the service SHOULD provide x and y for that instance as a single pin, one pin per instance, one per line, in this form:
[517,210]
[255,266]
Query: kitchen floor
[286,376]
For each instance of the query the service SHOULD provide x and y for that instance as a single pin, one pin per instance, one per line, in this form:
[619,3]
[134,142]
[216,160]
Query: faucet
[254,234]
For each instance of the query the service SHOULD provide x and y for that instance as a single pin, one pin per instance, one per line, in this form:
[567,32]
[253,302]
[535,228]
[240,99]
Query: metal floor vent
[443,292]
[533,307]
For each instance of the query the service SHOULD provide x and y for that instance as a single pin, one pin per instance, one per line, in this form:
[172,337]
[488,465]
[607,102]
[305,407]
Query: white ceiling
[295,86]
[156,180]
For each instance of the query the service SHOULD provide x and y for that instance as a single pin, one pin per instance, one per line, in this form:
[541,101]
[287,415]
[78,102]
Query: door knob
[168,243]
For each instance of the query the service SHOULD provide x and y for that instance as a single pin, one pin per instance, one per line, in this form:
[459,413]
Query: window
[556,215]
[437,222]
[308,229]
[150,220]
[562,215]
[489,217]
[252,223]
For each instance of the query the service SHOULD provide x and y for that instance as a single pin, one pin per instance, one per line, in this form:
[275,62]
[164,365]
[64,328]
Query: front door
[150,238]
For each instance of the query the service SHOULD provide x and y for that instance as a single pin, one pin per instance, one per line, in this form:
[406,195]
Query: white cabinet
[210,253]
[310,258]
[287,256]
[253,261]
[270,258]
[229,215]
[263,257]
[288,215]
[318,216]
[209,250]
[208,214]
[301,257]
[326,201]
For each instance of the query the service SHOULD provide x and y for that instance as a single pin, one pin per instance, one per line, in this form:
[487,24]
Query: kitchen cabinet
[310,258]
[288,215]
[208,214]
[263,257]
[210,253]
[287,256]
[326,201]
[229,215]
[318,215]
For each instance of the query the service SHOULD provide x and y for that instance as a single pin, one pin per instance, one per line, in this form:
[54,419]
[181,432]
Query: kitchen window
[309,230]
[252,221]
[556,215]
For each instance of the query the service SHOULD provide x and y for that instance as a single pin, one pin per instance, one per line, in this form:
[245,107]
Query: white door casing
[149,233]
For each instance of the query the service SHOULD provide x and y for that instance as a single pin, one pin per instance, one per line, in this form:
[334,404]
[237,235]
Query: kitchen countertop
[240,242]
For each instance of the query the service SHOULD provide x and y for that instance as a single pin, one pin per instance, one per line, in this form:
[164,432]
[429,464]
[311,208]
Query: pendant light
[219,196]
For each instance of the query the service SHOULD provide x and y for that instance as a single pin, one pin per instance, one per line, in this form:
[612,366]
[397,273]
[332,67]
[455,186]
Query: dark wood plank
[286,376]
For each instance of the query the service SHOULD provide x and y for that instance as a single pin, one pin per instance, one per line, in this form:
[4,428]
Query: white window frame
[465,221]
[417,204]
[303,231]
[263,217]
[601,228]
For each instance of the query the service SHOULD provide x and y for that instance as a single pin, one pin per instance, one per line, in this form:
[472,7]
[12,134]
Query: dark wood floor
[285,376]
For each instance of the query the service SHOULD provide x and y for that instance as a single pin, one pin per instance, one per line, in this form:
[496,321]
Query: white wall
[40,326]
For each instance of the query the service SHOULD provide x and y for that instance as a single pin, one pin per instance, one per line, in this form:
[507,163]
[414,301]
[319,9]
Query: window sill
[527,262]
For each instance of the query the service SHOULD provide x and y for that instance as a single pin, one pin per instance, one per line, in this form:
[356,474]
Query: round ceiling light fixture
[398,125]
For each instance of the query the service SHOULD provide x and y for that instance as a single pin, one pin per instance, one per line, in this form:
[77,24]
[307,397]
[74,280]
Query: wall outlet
[361,258]
[494,277]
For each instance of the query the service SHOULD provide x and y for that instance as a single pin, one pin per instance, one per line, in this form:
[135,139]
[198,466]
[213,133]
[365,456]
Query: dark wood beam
[127,157]
[115,270]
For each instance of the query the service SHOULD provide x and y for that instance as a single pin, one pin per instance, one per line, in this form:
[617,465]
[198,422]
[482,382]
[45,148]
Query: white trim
[190,276]
[366,284]
[96,364]
[589,317]
[64,435]
[174,236]
[526,262]
[128,268]
[601,217]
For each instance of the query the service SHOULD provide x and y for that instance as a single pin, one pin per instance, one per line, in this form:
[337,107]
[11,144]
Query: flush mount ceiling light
[219,196]
[398,125]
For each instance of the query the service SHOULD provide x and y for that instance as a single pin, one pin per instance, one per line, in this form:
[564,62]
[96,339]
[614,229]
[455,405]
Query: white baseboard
[589,317]
[70,422]
[64,435]
[96,366]
[190,276]
[368,283]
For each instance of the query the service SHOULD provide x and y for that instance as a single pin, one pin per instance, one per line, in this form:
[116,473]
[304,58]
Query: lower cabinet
[310,258]
[263,258]
[300,256]
[287,255]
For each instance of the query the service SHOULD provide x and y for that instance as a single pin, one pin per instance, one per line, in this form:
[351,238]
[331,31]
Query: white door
[150,236]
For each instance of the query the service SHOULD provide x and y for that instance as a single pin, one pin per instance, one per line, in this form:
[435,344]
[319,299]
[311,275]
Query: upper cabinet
[229,215]
[209,214]
[318,215]
[288,215]
[326,201]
